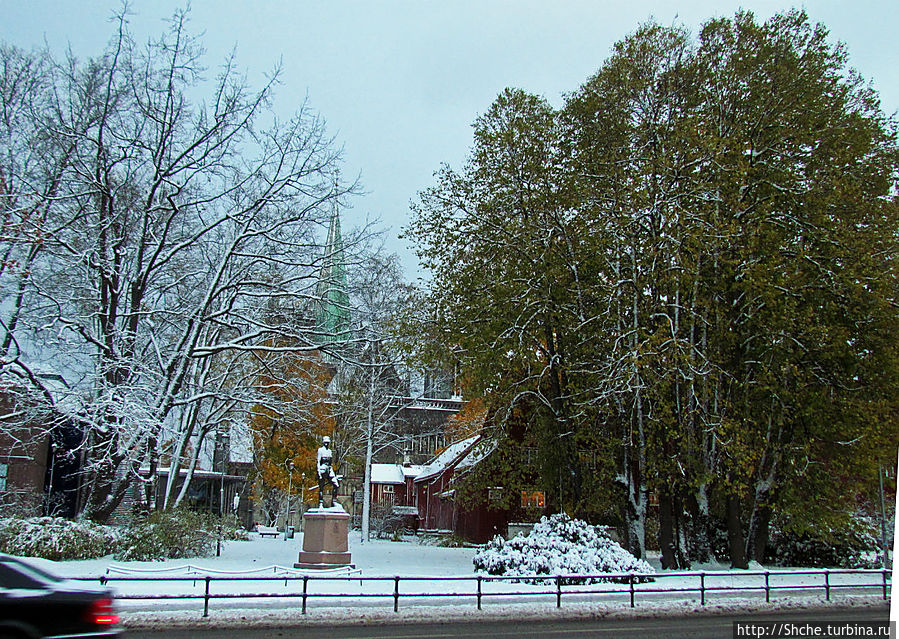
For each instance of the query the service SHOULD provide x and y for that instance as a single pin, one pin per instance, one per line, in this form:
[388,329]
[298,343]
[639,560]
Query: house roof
[451,455]
[412,470]
[387,474]
[392,473]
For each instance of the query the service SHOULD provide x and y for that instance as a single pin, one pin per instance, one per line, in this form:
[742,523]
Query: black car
[35,603]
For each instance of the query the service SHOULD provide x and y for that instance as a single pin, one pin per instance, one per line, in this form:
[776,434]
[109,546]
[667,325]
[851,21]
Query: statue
[326,474]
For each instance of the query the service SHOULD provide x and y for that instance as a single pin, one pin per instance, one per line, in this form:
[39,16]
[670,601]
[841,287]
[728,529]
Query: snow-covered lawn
[378,558]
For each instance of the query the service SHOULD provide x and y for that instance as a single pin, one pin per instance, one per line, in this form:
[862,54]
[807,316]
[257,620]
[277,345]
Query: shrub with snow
[559,545]
[177,534]
[163,535]
[56,538]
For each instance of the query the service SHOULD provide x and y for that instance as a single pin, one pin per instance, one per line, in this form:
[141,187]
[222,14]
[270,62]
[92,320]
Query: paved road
[694,627]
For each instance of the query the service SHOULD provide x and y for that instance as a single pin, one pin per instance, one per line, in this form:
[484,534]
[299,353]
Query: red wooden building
[392,484]
[435,491]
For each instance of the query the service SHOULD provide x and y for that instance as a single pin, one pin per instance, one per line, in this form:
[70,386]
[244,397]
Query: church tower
[332,318]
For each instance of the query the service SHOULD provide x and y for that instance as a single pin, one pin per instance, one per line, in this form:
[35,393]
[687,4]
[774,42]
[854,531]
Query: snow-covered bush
[163,535]
[558,545]
[177,534]
[56,538]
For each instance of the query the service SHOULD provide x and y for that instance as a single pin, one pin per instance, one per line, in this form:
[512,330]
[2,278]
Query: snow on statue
[326,474]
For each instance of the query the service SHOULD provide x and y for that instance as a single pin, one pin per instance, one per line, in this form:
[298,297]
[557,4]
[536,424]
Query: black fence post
[558,591]
[305,591]
[767,588]
[479,591]
[884,575]
[396,594]
[206,598]
[631,579]
[702,588]
[827,584]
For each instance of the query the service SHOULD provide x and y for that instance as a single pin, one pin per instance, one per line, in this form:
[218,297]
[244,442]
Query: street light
[289,488]
[302,500]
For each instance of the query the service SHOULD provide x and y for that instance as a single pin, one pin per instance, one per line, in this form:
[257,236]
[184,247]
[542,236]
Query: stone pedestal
[325,539]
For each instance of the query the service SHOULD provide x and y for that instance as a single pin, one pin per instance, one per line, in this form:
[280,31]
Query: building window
[388,488]
[535,499]
[4,471]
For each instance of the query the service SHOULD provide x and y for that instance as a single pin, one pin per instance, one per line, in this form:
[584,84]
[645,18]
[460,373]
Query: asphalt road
[697,626]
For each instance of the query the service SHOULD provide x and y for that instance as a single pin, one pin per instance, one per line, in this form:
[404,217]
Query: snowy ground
[264,556]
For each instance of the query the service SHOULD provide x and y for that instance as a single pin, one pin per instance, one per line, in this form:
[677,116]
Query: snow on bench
[267,531]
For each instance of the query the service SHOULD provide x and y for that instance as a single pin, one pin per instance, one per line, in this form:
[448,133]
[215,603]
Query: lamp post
[302,501]
[883,521]
[289,487]
[220,447]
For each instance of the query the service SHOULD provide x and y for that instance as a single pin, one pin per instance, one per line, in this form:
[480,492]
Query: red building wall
[23,453]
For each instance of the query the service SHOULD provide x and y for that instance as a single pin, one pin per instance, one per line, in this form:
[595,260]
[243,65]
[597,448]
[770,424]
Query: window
[4,471]
[388,488]
[535,499]
[495,493]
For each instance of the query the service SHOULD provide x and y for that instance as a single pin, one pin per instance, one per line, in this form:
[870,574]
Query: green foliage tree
[502,230]
[690,268]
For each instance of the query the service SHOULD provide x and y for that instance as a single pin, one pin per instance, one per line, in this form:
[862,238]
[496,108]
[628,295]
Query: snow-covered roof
[412,470]
[447,457]
[393,473]
[387,474]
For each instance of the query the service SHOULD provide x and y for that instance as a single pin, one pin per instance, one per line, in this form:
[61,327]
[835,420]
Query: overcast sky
[400,82]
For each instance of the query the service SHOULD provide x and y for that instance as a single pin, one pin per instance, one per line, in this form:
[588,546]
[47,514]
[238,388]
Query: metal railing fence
[629,586]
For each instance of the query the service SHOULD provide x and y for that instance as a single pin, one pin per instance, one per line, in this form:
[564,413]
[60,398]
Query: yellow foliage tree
[287,428]
[467,422]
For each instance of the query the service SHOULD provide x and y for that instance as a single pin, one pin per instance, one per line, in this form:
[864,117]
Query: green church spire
[333,315]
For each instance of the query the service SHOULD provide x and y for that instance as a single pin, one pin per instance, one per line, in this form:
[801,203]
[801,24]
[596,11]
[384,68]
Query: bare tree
[151,232]
[373,393]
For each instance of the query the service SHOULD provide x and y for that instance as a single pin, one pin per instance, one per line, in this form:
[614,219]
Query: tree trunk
[369,454]
[190,469]
[735,540]
[634,504]
[672,539]
[107,491]
[759,527]
[635,521]
[666,531]
[700,547]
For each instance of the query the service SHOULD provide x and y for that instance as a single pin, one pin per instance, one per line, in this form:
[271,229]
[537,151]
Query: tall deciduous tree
[288,428]
[692,262]
[148,235]
[505,249]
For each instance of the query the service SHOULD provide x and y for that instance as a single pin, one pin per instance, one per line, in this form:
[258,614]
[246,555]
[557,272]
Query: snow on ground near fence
[412,558]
